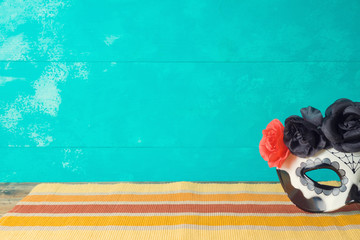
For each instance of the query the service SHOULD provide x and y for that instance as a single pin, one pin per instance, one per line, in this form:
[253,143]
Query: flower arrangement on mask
[305,136]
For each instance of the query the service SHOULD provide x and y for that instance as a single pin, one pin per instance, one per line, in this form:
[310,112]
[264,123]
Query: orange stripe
[158,208]
[176,220]
[155,197]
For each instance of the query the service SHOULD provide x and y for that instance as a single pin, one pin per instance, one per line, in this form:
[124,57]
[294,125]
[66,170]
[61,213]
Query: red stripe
[168,208]
[348,208]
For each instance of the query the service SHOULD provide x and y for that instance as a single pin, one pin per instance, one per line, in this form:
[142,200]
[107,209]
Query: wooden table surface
[12,193]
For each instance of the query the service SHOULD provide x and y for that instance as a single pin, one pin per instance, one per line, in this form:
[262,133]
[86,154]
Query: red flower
[272,147]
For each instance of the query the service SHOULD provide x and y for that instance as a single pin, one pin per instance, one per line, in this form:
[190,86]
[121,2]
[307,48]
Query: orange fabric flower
[272,147]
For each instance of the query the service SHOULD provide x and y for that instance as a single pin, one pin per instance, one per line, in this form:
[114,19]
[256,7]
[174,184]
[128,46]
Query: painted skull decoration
[313,142]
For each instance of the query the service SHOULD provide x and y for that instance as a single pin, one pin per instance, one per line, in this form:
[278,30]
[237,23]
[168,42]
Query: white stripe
[156,203]
[153,193]
[181,226]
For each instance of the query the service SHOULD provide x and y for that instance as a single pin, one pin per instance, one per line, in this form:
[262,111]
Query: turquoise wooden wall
[131,90]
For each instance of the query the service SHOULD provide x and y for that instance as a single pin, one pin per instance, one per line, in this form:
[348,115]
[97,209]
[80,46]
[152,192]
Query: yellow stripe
[176,220]
[157,197]
[179,234]
[131,187]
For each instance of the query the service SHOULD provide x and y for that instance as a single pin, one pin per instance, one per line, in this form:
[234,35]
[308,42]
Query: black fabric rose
[303,136]
[341,125]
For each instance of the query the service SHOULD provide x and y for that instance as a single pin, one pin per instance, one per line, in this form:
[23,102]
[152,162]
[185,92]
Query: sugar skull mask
[313,196]
[313,142]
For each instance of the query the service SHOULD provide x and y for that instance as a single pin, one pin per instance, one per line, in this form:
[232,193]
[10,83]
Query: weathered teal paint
[120,90]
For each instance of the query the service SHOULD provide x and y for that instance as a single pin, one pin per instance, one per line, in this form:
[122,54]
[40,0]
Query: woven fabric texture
[180,210]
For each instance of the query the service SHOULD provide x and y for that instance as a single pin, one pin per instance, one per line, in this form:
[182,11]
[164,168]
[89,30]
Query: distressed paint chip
[72,159]
[109,40]
[4,80]
[39,133]
[10,119]
[14,48]
[46,96]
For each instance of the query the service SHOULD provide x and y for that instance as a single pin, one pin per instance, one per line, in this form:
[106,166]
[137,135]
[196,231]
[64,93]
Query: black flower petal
[312,115]
[341,125]
[303,138]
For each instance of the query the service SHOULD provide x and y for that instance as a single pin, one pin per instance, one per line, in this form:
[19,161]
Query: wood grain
[11,193]
[163,90]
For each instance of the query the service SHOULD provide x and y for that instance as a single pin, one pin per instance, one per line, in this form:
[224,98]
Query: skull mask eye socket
[319,186]
[325,176]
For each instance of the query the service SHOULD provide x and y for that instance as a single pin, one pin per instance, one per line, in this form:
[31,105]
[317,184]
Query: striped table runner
[180,210]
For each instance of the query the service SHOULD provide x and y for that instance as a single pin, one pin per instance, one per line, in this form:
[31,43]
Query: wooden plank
[154,121]
[12,193]
[163,90]
[161,104]
[189,30]
[133,164]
